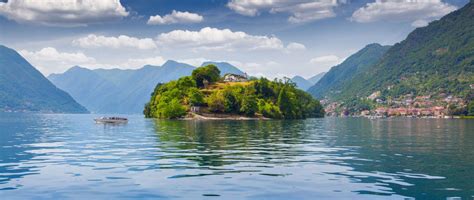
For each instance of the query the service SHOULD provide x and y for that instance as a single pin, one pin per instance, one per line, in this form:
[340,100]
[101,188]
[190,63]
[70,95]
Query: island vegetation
[205,92]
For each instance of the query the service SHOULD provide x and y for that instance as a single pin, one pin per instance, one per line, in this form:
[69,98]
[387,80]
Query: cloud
[295,46]
[419,12]
[325,59]
[420,23]
[140,62]
[300,11]
[194,61]
[218,39]
[48,59]
[63,12]
[96,41]
[175,17]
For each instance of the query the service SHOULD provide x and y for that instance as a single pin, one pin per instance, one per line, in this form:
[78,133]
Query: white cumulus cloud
[140,62]
[300,11]
[218,39]
[175,17]
[63,12]
[49,59]
[419,12]
[295,46]
[96,41]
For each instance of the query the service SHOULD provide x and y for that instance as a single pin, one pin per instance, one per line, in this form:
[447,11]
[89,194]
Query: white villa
[235,78]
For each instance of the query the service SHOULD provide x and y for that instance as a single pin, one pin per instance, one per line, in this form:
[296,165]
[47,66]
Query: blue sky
[272,38]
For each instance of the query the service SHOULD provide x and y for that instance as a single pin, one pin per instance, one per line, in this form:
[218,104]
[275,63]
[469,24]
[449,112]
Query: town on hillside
[440,105]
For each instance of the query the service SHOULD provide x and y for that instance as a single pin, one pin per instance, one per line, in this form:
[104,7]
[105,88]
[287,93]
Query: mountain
[123,91]
[316,78]
[225,68]
[88,88]
[136,90]
[301,83]
[432,60]
[23,88]
[342,75]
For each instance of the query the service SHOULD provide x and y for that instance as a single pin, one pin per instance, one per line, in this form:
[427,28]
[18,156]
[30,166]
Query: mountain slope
[301,83]
[341,76]
[438,58]
[23,88]
[136,90]
[316,78]
[88,88]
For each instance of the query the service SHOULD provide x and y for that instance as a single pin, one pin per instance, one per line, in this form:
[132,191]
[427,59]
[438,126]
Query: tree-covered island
[205,94]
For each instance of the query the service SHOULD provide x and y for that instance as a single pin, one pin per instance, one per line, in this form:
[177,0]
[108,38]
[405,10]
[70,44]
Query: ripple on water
[68,156]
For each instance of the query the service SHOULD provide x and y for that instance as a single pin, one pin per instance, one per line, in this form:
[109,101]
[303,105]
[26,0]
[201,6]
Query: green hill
[435,59]
[23,88]
[342,75]
[207,91]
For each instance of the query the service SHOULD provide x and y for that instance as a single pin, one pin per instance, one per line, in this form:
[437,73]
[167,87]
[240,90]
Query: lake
[70,157]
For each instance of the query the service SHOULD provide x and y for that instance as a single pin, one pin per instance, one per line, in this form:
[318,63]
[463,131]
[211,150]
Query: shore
[194,116]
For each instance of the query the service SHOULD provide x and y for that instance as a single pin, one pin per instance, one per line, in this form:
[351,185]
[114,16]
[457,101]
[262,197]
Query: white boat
[111,120]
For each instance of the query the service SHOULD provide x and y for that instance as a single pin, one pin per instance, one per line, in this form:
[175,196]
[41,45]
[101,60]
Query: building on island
[235,78]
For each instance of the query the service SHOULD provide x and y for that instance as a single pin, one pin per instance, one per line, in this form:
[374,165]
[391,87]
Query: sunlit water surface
[70,157]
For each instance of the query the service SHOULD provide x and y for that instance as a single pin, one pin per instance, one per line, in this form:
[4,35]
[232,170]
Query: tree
[215,102]
[174,110]
[147,110]
[470,108]
[209,73]
[231,103]
[285,104]
[249,103]
[269,109]
[196,98]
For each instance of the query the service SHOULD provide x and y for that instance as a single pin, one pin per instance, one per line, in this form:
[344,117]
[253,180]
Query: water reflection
[68,156]
[15,148]
[220,143]
[421,158]
[414,158]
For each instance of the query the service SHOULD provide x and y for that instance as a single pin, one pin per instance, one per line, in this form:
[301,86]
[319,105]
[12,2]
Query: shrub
[196,98]
[209,73]
[174,110]
[215,102]
[269,109]
[249,105]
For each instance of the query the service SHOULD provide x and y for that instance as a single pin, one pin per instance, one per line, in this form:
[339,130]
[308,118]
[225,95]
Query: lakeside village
[429,106]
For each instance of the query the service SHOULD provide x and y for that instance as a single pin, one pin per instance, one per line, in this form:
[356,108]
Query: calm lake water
[70,157]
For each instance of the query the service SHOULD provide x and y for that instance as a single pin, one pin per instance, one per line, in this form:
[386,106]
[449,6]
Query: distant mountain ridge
[316,78]
[301,83]
[23,88]
[123,91]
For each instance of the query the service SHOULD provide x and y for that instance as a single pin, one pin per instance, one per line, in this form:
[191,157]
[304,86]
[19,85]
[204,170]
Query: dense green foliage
[470,109]
[209,73]
[23,88]
[342,75]
[271,99]
[438,58]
